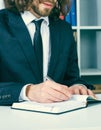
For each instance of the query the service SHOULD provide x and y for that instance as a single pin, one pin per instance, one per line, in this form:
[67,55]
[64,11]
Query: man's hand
[47,92]
[80,89]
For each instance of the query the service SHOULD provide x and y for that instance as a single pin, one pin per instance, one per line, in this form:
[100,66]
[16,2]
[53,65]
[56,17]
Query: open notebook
[76,102]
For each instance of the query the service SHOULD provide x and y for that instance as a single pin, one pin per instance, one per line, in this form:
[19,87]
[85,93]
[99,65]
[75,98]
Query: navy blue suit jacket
[18,64]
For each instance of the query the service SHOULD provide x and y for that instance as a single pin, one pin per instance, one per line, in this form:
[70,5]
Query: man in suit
[20,75]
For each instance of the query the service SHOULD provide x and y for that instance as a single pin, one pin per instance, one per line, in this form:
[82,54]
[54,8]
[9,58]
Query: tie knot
[37,23]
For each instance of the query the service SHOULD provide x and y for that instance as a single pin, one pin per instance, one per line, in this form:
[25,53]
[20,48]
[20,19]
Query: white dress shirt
[28,18]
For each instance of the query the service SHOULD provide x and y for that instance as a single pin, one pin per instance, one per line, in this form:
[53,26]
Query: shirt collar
[28,17]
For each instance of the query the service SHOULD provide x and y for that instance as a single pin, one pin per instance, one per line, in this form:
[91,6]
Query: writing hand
[48,91]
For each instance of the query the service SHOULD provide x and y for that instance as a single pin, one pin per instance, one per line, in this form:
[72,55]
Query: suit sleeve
[9,92]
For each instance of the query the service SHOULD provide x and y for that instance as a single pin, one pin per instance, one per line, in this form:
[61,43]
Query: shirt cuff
[23,94]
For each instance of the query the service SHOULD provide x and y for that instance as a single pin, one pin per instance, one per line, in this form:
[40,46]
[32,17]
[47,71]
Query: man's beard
[43,13]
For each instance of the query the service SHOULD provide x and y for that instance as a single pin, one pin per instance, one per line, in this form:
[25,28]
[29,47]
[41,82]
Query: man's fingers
[58,96]
[77,89]
[60,88]
[91,93]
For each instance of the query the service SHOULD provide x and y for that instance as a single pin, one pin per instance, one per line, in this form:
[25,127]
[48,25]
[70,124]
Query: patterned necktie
[38,48]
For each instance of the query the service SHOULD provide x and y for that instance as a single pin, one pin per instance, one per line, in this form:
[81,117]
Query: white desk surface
[83,119]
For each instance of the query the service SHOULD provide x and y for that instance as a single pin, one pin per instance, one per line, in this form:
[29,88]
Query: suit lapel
[54,40]
[20,31]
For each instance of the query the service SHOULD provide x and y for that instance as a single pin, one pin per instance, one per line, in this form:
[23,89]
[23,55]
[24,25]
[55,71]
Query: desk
[83,119]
